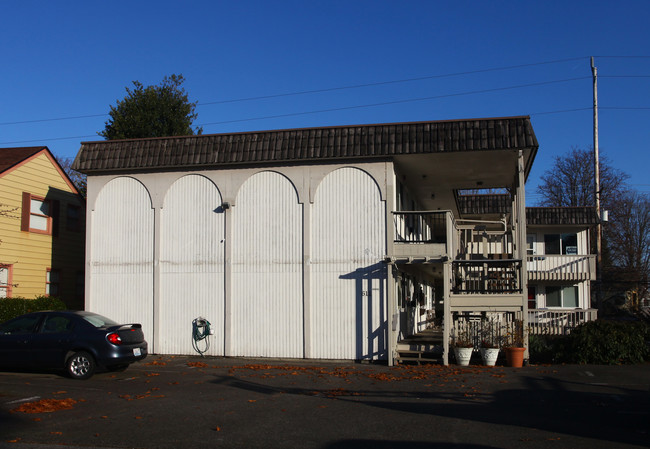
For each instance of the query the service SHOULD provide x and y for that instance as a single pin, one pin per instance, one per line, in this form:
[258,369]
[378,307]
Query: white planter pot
[489,356]
[463,355]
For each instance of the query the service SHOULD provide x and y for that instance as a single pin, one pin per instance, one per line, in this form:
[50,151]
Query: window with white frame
[565,297]
[530,244]
[37,214]
[5,281]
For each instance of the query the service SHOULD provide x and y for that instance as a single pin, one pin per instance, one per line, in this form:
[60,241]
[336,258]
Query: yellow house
[42,228]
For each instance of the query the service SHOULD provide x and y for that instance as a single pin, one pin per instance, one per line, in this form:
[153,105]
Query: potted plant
[514,346]
[489,350]
[489,353]
[463,347]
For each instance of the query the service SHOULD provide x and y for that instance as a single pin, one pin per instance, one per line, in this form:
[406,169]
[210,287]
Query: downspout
[392,316]
[446,287]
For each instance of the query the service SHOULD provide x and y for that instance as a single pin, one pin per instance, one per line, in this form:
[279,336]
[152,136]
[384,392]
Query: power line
[386,103]
[374,104]
[625,108]
[560,111]
[624,76]
[293,114]
[624,56]
[48,139]
[331,89]
[52,119]
[382,83]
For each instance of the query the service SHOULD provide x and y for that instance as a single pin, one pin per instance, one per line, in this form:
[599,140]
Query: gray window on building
[566,297]
[561,244]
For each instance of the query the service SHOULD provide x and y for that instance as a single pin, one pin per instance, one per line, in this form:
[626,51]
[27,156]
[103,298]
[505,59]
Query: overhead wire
[343,108]
[329,89]
[386,103]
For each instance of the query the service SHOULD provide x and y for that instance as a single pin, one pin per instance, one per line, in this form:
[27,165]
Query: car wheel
[80,365]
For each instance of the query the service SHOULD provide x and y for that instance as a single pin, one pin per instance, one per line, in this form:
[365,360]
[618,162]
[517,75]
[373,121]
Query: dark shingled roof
[561,216]
[484,204]
[293,145]
[502,203]
[13,156]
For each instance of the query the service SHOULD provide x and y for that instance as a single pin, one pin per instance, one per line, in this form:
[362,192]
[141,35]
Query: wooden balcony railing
[475,241]
[558,322]
[486,276]
[420,227]
[561,267]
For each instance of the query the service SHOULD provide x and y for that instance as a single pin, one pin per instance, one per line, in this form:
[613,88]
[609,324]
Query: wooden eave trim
[63,174]
[239,165]
[23,162]
[52,160]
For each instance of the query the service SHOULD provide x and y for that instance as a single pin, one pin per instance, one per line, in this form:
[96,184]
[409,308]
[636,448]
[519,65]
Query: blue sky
[72,59]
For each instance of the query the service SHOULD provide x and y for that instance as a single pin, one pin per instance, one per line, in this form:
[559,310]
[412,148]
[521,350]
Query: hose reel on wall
[201,332]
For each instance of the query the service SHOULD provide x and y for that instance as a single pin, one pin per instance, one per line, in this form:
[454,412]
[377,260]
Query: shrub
[604,342]
[543,348]
[13,307]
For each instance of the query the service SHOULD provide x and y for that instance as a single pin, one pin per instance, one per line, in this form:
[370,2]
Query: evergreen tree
[153,111]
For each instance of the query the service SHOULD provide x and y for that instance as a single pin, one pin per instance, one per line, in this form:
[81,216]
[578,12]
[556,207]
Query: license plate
[137,352]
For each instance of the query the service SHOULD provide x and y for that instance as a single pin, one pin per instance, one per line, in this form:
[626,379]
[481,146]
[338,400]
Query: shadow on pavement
[382,444]
[616,414]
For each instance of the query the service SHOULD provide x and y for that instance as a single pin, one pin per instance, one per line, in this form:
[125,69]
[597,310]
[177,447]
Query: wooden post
[599,235]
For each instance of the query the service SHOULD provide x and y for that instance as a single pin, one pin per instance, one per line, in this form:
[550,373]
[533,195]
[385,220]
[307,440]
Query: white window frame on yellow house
[6,279]
[33,212]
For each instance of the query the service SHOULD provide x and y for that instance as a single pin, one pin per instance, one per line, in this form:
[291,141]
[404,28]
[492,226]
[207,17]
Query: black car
[76,341]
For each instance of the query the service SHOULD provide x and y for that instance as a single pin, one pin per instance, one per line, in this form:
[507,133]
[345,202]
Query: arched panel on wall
[121,254]
[267,296]
[348,280]
[191,264]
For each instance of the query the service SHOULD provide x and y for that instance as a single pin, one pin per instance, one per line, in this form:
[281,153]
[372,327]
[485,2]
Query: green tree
[152,111]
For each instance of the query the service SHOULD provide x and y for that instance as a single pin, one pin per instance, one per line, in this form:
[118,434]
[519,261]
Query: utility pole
[599,230]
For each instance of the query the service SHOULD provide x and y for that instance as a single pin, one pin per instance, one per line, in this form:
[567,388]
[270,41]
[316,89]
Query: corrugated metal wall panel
[191,265]
[121,256]
[348,279]
[267,308]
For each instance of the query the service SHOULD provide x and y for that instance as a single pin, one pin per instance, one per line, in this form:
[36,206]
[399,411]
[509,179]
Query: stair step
[418,359]
[429,347]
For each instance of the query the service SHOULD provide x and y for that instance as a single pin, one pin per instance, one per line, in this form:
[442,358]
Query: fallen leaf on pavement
[45,406]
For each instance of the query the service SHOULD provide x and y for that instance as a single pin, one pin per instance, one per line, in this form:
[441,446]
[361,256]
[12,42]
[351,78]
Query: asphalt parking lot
[193,402]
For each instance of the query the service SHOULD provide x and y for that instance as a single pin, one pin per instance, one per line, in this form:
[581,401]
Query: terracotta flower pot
[515,357]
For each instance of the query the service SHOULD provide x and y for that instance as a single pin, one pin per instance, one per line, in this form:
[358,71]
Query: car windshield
[99,321]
